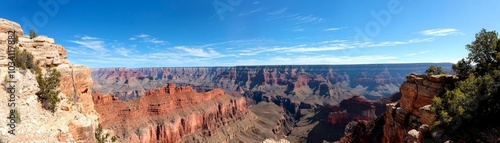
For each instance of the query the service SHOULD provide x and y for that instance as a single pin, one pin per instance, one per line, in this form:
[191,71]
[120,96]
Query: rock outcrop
[411,117]
[7,25]
[180,114]
[74,119]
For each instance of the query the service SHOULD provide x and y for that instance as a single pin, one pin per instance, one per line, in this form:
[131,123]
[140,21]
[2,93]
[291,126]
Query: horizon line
[277,65]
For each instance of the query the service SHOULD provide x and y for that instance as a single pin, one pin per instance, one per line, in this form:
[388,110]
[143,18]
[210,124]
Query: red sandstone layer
[169,114]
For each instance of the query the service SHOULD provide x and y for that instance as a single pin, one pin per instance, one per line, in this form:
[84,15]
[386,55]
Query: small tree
[32,34]
[463,68]
[102,138]
[49,85]
[439,70]
[430,70]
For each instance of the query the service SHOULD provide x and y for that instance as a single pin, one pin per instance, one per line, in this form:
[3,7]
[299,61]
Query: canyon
[317,102]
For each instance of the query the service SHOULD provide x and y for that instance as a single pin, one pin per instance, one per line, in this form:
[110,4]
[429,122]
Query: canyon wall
[74,119]
[412,115]
[409,119]
[332,83]
[180,114]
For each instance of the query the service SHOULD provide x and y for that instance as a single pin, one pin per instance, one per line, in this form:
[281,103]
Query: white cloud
[333,29]
[313,60]
[395,43]
[155,41]
[199,52]
[142,36]
[277,12]
[91,43]
[246,52]
[440,32]
[123,51]
[89,38]
[306,19]
[419,53]
[332,45]
[148,39]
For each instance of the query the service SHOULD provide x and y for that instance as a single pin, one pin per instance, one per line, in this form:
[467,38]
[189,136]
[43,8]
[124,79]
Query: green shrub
[32,34]
[100,138]
[25,60]
[432,70]
[468,111]
[49,85]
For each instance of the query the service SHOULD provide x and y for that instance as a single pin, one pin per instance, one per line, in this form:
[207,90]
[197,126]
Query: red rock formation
[169,114]
[414,107]
[355,108]
[76,83]
[356,133]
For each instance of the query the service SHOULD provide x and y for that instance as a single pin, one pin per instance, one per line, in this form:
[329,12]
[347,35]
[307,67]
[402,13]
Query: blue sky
[192,33]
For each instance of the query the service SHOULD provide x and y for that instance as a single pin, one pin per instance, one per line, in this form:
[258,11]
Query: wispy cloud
[199,52]
[89,38]
[277,12]
[142,36]
[321,59]
[148,39]
[317,49]
[90,42]
[440,32]
[333,29]
[419,53]
[123,51]
[395,43]
[230,53]
[305,19]
[332,45]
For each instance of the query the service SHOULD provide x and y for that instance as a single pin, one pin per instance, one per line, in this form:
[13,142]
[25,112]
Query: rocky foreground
[74,119]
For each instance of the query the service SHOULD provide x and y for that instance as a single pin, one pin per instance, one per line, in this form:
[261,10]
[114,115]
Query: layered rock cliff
[412,115]
[350,117]
[74,119]
[180,114]
[330,83]
[409,119]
